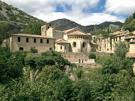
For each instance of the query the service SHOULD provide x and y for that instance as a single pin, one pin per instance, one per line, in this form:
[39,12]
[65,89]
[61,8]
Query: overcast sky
[85,12]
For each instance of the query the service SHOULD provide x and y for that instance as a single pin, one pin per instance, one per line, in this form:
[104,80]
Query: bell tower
[44,29]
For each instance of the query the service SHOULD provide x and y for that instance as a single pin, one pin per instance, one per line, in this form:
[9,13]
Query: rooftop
[78,33]
[30,35]
[70,30]
[62,41]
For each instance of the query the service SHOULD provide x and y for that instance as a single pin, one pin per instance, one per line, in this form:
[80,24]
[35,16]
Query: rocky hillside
[64,24]
[13,20]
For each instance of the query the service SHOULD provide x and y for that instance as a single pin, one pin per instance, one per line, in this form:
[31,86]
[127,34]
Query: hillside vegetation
[13,20]
[130,23]
[49,77]
[64,24]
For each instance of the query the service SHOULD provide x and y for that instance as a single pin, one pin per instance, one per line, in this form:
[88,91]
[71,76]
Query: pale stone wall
[50,32]
[79,44]
[62,47]
[132,48]
[76,57]
[65,37]
[44,29]
[134,68]
[41,47]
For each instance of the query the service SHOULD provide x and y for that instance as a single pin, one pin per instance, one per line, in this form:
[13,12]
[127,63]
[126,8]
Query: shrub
[92,56]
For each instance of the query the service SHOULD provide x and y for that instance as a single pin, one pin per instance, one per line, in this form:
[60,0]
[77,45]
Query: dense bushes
[33,77]
[92,56]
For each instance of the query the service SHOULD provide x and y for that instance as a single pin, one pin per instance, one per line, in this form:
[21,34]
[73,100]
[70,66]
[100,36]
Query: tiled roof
[77,33]
[30,35]
[62,41]
[70,30]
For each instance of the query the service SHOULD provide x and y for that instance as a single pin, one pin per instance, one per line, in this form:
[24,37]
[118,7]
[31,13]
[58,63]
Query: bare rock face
[13,20]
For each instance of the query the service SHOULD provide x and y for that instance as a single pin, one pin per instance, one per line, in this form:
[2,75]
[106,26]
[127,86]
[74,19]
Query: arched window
[21,49]
[74,44]
[84,44]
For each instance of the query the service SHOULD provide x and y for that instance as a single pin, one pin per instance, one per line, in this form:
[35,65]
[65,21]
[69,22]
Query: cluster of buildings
[74,44]
[108,45]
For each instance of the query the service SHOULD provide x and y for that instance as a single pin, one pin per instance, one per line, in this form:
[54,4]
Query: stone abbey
[74,44]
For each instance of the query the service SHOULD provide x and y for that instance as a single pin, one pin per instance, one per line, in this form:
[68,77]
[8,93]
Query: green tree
[55,58]
[11,66]
[33,28]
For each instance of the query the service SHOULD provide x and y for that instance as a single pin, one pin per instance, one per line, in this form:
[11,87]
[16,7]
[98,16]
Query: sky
[84,12]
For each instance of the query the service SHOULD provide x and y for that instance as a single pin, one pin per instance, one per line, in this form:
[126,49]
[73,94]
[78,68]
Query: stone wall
[76,57]
[26,46]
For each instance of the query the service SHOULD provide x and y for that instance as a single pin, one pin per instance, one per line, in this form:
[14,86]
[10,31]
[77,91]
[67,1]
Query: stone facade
[108,44]
[73,43]
[70,43]
[25,42]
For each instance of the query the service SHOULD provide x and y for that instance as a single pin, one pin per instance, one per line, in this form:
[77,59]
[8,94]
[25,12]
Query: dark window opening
[19,39]
[41,40]
[47,41]
[74,44]
[27,39]
[21,49]
[35,40]
[79,61]
[84,44]
[51,49]
[60,47]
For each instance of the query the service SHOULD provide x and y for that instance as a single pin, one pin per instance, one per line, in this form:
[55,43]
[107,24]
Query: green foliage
[11,65]
[92,56]
[121,49]
[33,28]
[43,77]
[34,50]
[83,91]
[55,58]
[130,23]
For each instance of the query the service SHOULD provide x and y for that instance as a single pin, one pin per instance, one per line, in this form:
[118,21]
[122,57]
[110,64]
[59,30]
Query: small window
[74,44]
[19,39]
[21,48]
[41,40]
[50,49]
[47,41]
[27,40]
[84,44]
[61,47]
[35,40]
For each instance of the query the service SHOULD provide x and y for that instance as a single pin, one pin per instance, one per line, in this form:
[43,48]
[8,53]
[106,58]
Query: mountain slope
[64,24]
[13,20]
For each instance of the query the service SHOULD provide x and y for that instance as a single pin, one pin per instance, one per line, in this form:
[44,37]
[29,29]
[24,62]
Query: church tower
[44,29]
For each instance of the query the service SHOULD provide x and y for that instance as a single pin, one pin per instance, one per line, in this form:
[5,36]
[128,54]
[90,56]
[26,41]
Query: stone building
[70,43]
[108,44]
[25,42]
[131,40]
